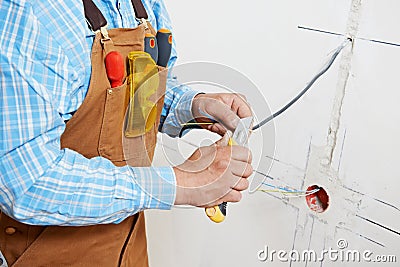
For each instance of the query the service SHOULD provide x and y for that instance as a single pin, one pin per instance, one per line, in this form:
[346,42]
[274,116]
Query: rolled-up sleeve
[41,80]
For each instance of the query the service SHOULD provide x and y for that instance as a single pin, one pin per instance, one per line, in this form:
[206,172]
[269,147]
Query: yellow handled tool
[240,136]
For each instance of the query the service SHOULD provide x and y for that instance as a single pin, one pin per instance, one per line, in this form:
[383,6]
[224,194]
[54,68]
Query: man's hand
[213,174]
[225,108]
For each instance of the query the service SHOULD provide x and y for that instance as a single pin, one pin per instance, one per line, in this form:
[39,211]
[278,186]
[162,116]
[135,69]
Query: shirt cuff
[157,186]
[179,114]
[183,110]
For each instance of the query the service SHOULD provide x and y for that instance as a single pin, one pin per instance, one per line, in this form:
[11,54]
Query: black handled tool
[164,43]
[150,46]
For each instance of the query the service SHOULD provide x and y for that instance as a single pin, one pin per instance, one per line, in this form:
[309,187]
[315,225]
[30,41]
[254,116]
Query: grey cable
[316,77]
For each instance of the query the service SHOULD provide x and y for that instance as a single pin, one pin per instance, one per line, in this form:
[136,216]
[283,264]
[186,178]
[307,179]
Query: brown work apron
[96,129]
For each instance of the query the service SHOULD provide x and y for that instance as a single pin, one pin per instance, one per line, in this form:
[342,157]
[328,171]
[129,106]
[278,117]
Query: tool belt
[99,128]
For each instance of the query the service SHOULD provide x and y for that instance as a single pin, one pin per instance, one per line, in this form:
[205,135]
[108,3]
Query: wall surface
[342,135]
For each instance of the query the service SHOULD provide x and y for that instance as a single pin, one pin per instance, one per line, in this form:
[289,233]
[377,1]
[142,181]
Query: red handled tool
[115,68]
[164,43]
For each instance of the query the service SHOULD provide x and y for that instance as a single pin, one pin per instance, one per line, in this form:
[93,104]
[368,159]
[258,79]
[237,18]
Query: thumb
[225,139]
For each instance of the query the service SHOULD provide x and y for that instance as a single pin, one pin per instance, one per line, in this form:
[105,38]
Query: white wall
[261,40]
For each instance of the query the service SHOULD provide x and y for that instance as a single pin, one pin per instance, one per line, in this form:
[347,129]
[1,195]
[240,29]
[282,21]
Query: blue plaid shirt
[45,49]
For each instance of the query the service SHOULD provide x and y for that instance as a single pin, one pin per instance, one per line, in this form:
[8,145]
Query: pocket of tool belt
[133,119]
[116,101]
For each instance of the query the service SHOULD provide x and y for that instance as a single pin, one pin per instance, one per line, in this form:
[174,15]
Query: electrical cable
[287,192]
[277,189]
[304,195]
[341,34]
[308,86]
[290,194]
[283,188]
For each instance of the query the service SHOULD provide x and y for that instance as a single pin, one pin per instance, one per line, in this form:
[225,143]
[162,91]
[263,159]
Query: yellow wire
[292,194]
[279,191]
[197,123]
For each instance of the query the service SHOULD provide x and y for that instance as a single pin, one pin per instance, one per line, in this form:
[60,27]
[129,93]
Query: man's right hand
[213,174]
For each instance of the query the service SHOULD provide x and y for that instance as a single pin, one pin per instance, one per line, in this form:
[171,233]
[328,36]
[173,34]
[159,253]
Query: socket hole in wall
[318,201]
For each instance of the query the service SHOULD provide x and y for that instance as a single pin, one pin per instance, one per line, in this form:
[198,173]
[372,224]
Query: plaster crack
[344,73]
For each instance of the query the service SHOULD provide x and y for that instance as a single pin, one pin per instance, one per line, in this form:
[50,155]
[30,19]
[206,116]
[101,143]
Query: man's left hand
[227,109]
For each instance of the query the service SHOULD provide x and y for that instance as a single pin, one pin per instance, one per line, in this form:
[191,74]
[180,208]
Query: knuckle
[222,164]
[238,149]
[243,185]
[221,149]
[243,151]
[225,151]
[246,184]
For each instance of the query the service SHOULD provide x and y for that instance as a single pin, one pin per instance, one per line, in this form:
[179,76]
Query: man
[90,205]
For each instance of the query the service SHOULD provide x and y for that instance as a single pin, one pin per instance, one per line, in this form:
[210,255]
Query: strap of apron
[93,15]
[96,20]
[140,11]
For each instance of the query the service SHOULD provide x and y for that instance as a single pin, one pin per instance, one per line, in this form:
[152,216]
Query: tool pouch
[138,103]
[108,114]
[143,82]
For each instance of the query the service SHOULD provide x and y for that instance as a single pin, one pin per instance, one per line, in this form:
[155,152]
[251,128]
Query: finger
[241,153]
[243,184]
[241,169]
[217,128]
[223,114]
[241,107]
[224,140]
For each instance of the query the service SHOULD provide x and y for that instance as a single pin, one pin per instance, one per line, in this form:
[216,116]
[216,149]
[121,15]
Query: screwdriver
[150,46]
[164,43]
[115,68]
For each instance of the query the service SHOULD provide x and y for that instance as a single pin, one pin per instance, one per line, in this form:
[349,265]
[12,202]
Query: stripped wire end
[286,192]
